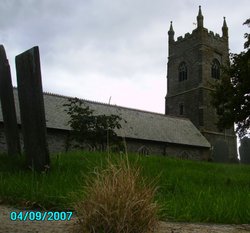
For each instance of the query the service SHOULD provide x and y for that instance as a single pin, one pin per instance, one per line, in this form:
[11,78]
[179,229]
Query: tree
[96,130]
[247,35]
[231,97]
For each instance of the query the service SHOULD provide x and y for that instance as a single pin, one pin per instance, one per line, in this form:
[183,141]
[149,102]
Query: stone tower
[193,65]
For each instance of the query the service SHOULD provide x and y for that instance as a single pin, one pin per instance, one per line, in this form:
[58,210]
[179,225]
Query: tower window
[215,69]
[182,72]
[181,109]
[201,117]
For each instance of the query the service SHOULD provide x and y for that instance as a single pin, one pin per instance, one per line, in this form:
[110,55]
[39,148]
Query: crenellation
[211,33]
[192,37]
[180,38]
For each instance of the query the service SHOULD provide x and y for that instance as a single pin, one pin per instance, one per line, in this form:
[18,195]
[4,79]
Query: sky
[110,50]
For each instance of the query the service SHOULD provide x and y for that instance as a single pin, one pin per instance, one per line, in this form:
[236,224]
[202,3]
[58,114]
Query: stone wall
[57,143]
[3,143]
[56,140]
[191,105]
[228,138]
[168,149]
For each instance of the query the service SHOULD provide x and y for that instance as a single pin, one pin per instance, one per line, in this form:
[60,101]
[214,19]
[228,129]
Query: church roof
[140,124]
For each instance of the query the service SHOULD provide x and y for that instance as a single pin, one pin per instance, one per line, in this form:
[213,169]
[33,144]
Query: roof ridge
[112,105]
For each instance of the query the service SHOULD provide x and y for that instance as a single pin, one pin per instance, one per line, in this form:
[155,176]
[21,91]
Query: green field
[187,191]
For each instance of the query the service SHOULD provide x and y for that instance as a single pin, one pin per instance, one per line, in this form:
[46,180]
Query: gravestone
[221,152]
[8,106]
[32,111]
[245,150]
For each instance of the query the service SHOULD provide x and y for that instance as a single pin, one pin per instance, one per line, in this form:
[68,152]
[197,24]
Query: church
[188,127]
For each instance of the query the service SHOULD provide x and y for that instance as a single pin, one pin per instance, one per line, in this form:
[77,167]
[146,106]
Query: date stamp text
[40,216]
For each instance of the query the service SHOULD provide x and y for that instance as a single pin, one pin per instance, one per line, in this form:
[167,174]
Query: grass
[118,200]
[49,191]
[187,191]
[204,192]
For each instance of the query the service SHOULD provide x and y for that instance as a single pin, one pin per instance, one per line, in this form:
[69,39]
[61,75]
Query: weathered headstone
[221,152]
[8,106]
[32,111]
[245,150]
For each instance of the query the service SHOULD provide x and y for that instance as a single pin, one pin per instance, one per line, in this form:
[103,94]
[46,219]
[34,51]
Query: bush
[118,200]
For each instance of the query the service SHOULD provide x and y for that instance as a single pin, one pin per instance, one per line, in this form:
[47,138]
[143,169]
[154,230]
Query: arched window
[182,72]
[215,69]
[184,155]
[143,150]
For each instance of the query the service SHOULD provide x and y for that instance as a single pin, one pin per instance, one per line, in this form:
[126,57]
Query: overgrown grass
[118,200]
[187,191]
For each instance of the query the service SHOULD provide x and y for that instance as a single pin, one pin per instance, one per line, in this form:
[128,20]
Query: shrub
[118,200]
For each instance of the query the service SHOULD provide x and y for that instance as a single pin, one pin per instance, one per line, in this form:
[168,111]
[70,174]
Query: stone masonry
[193,65]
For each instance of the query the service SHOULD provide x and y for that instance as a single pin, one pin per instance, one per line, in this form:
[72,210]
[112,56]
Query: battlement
[200,33]
[187,35]
[211,33]
[216,35]
[180,38]
[206,33]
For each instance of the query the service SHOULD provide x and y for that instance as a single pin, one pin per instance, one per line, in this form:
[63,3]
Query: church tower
[194,63]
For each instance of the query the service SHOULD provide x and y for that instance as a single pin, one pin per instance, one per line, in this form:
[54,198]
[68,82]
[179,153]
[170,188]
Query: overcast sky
[94,49]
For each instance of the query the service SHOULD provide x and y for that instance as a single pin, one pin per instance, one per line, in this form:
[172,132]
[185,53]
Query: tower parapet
[200,33]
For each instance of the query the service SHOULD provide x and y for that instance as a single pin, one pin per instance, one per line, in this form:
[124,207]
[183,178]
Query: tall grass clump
[118,200]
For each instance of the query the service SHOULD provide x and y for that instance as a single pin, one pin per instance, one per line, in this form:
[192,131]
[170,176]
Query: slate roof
[140,124]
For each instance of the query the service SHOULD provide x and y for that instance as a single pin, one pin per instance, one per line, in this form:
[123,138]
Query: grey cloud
[122,39]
